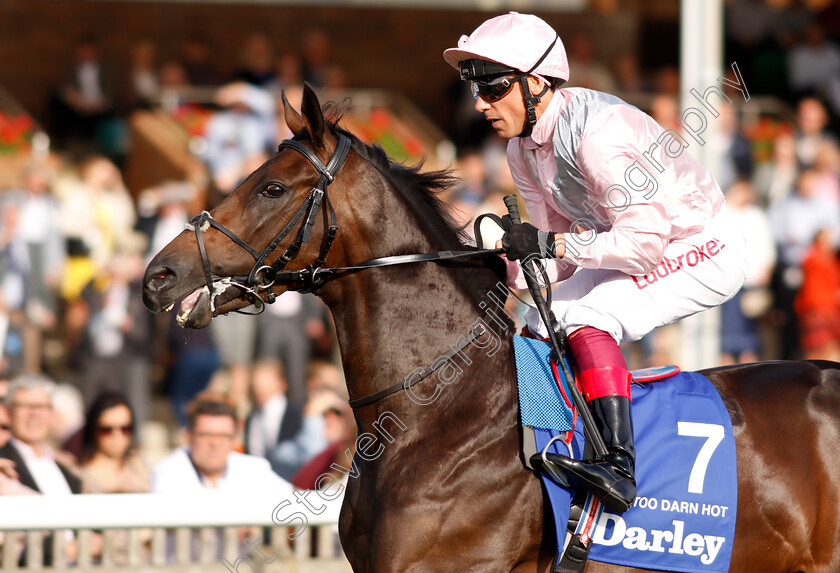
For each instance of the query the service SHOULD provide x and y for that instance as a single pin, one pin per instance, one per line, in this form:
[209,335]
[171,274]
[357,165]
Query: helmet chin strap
[531,102]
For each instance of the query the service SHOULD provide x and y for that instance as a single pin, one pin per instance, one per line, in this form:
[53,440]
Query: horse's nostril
[160,278]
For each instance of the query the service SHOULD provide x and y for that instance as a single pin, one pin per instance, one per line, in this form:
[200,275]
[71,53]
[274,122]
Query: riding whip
[592,435]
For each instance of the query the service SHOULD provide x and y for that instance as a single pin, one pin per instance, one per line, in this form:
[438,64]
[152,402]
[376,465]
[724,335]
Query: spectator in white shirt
[209,463]
[209,460]
[30,404]
[30,408]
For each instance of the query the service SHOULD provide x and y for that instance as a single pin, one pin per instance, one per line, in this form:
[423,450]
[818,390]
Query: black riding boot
[610,479]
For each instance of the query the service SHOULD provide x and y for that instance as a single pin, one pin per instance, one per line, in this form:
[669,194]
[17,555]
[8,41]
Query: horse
[440,483]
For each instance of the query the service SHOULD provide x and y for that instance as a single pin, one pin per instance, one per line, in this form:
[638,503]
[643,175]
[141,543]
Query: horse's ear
[293,119]
[313,117]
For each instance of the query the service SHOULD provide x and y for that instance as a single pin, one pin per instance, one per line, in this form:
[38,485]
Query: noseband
[262,276]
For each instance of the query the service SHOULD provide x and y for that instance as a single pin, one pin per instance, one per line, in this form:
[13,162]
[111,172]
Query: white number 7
[714,436]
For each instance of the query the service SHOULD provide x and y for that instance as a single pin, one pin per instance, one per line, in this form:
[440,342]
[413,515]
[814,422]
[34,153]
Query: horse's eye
[273,190]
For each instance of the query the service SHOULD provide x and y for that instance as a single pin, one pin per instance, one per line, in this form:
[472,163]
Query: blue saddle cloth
[684,516]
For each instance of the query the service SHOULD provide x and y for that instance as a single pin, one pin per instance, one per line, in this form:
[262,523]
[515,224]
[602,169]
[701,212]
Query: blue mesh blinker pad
[540,402]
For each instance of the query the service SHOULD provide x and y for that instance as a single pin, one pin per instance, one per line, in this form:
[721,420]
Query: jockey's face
[507,115]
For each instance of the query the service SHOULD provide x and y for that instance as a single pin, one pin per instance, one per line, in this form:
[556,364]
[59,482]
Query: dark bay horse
[441,485]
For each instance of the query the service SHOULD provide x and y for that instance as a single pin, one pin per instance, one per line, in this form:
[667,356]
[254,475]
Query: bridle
[262,276]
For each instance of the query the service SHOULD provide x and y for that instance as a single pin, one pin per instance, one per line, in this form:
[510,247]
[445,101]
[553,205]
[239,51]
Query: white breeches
[696,273]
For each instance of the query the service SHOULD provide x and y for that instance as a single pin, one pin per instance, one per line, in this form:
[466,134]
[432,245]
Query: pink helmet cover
[515,40]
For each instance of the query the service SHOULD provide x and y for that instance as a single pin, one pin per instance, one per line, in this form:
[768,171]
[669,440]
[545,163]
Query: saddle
[670,411]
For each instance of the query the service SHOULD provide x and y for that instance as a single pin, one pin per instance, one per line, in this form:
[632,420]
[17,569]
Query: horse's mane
[420,191]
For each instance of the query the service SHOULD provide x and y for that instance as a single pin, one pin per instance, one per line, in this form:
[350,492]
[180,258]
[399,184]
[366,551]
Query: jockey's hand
[524,240]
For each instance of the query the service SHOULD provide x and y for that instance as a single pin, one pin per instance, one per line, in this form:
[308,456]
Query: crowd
[84,366]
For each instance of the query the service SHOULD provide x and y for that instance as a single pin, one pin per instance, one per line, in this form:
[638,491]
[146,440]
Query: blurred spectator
[340,432]
[108,462]
[143,88]
[827,166]
[197,63]
[85,97]
[472,187]
[791,22]
[257,66]
[818,301]
[750,25]
[289,72]
[324,375]
[811,124]
[97,213]
[67,422]
[235,338]
[734,153]
[627,74]
[9,484]
[209,463]
[5,424]
[775,179]
[286,433]
[39,230]
[795,220]
[316,57]
[117,332]
[209,460]
[589,71]
[193,360]
[240,135]
[667,80]
[740,340]
[30,403]
[164,210]
[813,64]
[285,332]
[172,74]
[665,110]
[31,261]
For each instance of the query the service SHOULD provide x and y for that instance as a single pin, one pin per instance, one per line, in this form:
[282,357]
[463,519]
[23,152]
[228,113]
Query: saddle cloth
[684,515]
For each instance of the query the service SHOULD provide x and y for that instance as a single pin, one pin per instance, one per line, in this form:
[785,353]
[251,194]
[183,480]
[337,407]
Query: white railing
[183,534]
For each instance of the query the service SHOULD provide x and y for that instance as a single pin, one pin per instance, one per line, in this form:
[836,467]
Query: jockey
[609,194]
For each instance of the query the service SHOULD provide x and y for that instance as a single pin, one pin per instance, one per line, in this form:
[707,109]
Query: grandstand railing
[183,534]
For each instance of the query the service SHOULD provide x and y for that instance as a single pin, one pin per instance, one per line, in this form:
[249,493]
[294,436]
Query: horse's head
[277,221]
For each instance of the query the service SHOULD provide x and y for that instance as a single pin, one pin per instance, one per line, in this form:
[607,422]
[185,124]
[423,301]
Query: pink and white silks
[645,224]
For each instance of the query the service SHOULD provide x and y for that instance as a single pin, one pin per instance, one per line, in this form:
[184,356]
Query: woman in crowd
[108,462]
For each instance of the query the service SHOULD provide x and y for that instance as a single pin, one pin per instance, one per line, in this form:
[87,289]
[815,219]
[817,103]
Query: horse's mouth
[196,310]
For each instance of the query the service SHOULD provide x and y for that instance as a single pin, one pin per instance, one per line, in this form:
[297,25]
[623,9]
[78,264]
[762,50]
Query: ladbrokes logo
[675,540]
[668,266]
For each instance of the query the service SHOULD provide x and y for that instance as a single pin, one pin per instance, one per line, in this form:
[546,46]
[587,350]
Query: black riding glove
[524,240]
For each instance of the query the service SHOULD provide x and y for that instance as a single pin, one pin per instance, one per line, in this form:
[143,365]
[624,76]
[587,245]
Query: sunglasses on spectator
[107,430]
[495,89]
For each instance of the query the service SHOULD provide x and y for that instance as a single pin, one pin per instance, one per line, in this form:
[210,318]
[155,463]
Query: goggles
[495,89]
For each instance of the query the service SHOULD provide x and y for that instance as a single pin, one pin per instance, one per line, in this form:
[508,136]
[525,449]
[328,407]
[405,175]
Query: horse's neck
[391,322]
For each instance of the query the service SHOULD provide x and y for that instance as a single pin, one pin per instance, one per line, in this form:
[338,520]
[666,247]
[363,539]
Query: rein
[262,276]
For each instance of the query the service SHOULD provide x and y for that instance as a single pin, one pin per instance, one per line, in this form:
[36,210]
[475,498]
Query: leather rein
[263,276]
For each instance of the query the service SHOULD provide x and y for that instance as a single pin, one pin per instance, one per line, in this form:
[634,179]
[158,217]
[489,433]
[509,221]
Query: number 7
[714,436]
